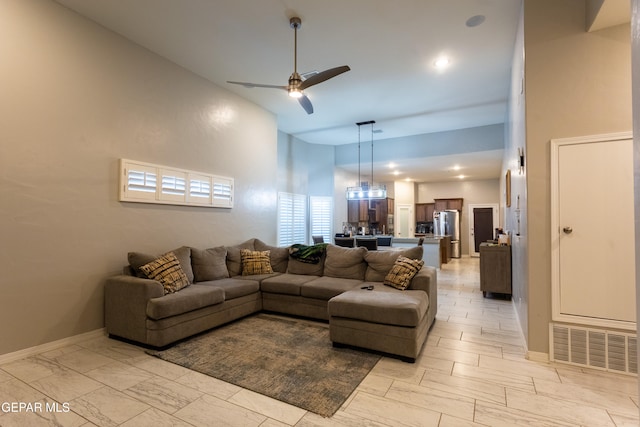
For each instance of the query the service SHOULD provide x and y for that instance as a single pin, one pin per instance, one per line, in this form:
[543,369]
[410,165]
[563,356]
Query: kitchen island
[432,247]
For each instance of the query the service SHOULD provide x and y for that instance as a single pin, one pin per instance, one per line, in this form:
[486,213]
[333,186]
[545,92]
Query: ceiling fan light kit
[296,85]
[364,191]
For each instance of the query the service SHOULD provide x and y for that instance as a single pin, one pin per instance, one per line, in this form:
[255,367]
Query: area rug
[288,359]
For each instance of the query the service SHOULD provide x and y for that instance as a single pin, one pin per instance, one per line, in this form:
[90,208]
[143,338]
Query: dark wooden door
[482,226]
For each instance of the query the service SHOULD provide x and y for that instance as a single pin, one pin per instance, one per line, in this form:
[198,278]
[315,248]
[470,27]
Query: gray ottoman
[383,319]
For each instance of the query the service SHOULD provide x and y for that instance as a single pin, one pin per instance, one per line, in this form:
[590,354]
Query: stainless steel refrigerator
[447,223]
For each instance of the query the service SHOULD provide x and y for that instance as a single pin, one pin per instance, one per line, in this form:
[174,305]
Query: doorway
[483,220]
[404,228]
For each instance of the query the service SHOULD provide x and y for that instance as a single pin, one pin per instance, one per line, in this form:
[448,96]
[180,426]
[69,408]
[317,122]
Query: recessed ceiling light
[456,167]
[441,62]
[396,173]
[474,21]
[460,176]
[391,165]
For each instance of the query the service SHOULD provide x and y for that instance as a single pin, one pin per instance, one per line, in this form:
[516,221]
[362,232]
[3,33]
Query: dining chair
[370,244]
[346,242]
[317,239]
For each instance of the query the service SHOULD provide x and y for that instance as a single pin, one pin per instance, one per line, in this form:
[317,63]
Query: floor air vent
[595,348]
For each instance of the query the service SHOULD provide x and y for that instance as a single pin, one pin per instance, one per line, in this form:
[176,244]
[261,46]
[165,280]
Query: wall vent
[596,348]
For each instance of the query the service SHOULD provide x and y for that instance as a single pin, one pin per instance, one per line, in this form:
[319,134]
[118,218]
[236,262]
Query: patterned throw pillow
[167,270]
[255,262]
[402,272]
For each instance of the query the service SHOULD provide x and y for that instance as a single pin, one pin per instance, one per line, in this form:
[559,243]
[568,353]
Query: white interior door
[593,231]
[404,228]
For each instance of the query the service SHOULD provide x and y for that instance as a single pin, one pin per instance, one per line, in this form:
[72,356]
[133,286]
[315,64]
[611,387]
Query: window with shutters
[321,217]
[148,183]
[292,219]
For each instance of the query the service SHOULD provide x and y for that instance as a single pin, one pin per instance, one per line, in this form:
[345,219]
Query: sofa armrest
[426,280]
[125,305]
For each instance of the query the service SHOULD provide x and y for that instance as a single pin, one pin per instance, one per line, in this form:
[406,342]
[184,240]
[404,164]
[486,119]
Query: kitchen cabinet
[424,212]
[448,204]
[358,211]
[495,269]
[380,211]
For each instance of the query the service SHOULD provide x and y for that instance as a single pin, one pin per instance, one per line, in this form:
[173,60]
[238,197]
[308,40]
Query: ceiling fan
[297,85]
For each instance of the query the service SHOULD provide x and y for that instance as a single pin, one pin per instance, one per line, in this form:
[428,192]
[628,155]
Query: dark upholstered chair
[370,244]
[317,239]
[346,242]
[420,241]
[384,241]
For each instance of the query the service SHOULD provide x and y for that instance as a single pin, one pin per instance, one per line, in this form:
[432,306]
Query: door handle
[567,230]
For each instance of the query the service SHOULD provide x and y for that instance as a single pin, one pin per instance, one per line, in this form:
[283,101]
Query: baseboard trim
[31,351]
[537,356]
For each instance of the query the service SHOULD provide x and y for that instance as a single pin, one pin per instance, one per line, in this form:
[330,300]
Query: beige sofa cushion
[209,264]
[279,256]
[187,299]
[325,287]
[234,259]
[390,307]
[345,263]
[304,268]
[379,263]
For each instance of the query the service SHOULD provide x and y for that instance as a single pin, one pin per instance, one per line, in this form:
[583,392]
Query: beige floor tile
[391,412]
[449,421]
[264,405]
[107,407]
[427,397]
[471,347]
[376,385]
[448,354]
[210,411]
[119,375]
[17,391]
[163,394]
[597,398]
[524,367]
[153,417]
[209,385]
[490,414]
[495,324]
[53,415]
[160,367]
[65,385]
[340,419]
[553,407]
[396,369]
[468,387]
[504,379]
[599,380]
[81,360]
[32,368]
[625,420]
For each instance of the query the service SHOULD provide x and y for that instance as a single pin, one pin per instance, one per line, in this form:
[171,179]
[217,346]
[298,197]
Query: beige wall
[576,83]
[485,191]
[75,99]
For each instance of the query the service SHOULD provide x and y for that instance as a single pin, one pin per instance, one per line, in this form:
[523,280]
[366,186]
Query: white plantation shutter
[140,182]
[292,219]
[174,185]
[148,183]
[321,217]
[222,192]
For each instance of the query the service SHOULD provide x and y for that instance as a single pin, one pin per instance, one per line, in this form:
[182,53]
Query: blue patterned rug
[288,359]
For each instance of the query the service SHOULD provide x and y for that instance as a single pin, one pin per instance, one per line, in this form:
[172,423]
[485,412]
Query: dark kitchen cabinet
[424,212]
[448,204]
[358,211]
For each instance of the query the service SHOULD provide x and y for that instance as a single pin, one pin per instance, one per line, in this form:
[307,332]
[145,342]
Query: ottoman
[383,319]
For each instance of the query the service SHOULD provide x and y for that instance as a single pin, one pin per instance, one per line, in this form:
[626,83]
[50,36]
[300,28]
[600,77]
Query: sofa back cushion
[234,259]
[379,263]
[296,266]
[209,264]
[345,263]
[279,256]
[183,254]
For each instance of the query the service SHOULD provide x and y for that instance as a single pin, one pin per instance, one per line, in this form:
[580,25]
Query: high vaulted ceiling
[391,47]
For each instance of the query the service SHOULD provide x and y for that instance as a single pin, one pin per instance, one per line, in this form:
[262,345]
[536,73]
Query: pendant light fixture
[364,190]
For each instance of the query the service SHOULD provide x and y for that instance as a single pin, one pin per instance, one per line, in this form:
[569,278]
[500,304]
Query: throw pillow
[183,253]
[402,272]
[209,264]
[380,263]
[255,262]
[167,270]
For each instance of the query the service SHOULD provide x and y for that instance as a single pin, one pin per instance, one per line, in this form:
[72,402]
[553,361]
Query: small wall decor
[507,180]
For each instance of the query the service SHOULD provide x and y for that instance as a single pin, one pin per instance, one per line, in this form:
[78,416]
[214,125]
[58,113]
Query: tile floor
[472,372]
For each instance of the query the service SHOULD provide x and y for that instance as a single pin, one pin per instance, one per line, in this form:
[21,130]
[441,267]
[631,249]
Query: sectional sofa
[344,286]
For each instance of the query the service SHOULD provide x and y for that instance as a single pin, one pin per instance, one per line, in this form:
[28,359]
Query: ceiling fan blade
[252,85]
[323,75]
[306,104]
